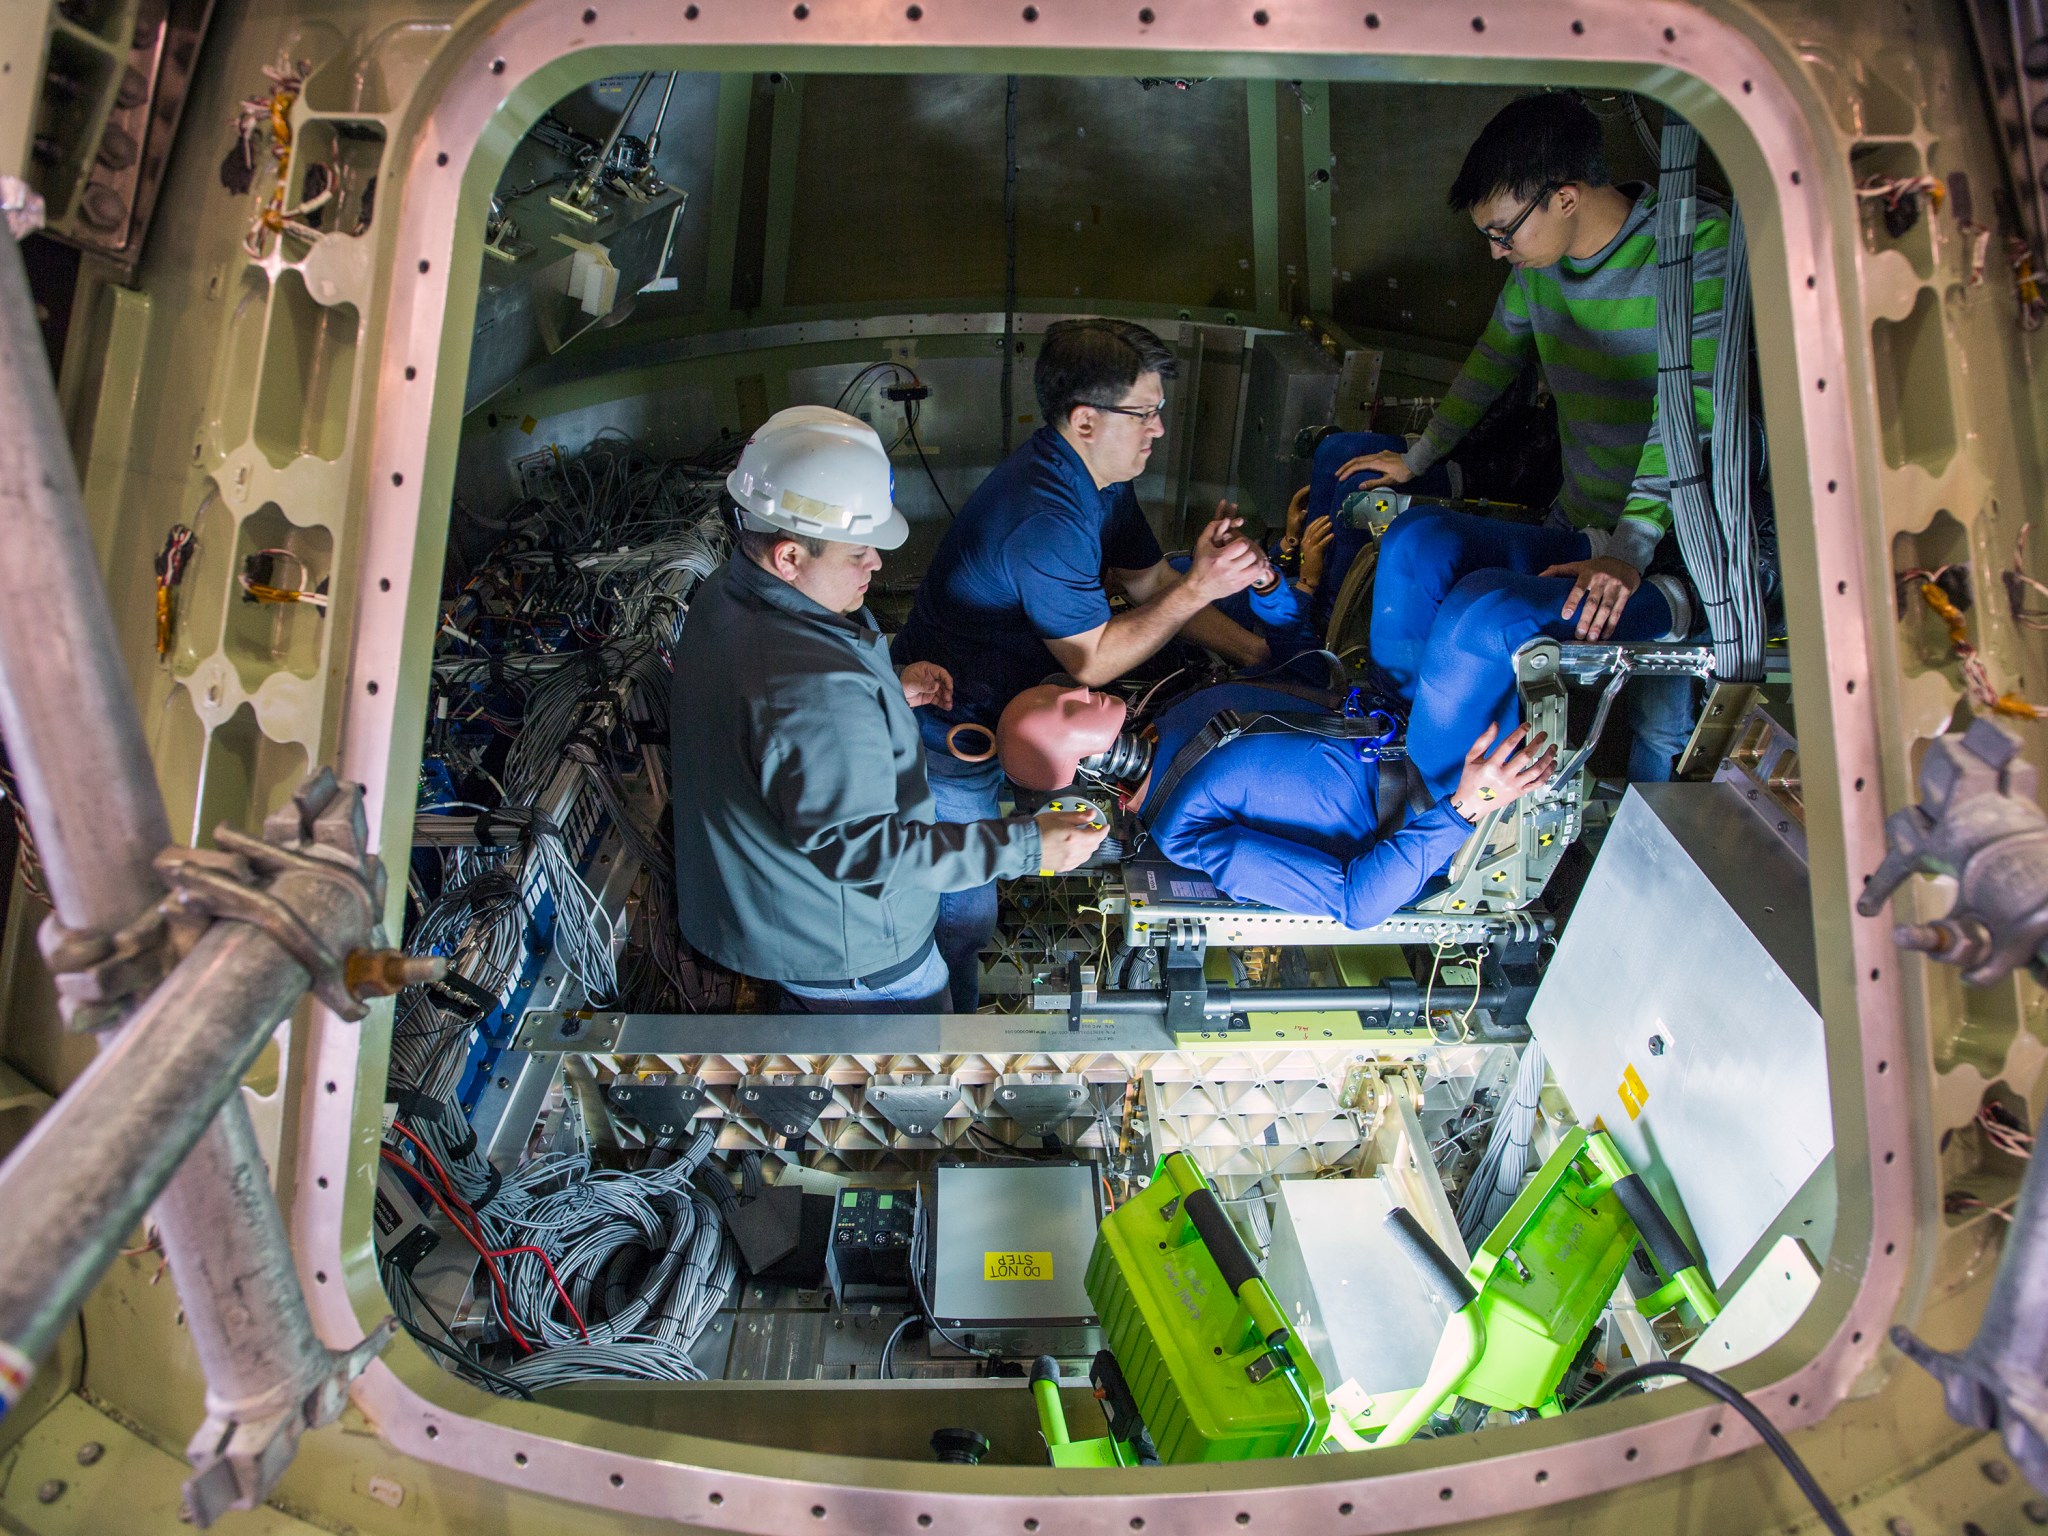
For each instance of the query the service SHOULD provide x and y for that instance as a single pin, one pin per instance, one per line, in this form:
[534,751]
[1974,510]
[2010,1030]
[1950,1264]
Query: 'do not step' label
[1016,1266]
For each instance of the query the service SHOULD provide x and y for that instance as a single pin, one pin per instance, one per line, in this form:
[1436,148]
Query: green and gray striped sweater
[1593,325]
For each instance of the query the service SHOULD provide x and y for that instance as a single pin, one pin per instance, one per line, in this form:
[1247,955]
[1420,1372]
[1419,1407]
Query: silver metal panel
[525,314]
[1350,1292]
[510,1105]
[1688,969]
[907,1034]
[1235,927]
[1293,385]
[986,1217]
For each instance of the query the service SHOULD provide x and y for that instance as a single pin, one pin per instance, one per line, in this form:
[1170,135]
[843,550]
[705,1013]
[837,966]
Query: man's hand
[1224,561]
[1494,780]
[1601,589]
[1389,466]
[1315,550]
[1067,838]
[926,682]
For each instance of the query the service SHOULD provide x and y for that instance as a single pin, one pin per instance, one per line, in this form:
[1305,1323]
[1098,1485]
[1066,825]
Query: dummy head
[1047,730]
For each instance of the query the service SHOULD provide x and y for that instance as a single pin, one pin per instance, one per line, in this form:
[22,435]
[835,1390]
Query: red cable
[447,1183]
[498,1280]
[489,1253]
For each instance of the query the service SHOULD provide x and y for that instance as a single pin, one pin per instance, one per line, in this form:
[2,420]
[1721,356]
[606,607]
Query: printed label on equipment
[1016,1266]
[1634,1095]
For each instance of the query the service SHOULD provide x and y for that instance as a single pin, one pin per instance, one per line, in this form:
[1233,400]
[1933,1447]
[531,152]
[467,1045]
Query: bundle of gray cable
[1505,1163]
[1717,534]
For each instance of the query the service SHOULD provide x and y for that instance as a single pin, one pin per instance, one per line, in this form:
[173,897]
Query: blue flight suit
[1289,820]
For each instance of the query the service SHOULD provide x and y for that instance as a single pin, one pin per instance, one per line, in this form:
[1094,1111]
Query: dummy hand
[1224,561]
[1492,780]
[1601,589]
[926,682]
[1389,467]
[1315,550]
[1067,838]
[1297,514]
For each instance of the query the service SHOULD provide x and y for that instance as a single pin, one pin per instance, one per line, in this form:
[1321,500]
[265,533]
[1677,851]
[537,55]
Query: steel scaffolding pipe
[168,1077]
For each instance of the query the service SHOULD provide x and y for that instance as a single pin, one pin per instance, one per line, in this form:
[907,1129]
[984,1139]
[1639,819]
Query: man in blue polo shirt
[1015,591]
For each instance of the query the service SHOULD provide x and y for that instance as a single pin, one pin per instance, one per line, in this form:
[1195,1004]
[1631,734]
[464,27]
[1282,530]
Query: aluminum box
[1292,385]
[1009,1256]
[1678,1014]
[1351,1293]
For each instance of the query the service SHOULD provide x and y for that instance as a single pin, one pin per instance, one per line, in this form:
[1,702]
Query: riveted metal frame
[1727,72]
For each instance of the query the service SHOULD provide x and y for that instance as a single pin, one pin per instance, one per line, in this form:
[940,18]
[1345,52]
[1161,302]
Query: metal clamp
[1187,987]
[247,1452]
[320,833]
[1979,823]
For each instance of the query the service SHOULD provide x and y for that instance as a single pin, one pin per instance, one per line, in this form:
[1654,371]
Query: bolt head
[1898,1525]
[90,1452]
[51,1491]
[1996,1472]
[2037,1511]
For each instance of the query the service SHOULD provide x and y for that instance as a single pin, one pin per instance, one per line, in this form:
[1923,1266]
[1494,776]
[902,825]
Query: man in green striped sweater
[1582,298]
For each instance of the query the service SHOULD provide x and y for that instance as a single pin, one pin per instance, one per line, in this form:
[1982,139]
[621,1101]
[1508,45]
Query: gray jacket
[807,845]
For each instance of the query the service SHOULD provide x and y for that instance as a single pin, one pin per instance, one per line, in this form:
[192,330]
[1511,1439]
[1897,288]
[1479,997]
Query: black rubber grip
[1221,1239]
[1666,1246]
[1044,1368]
[1430,1261]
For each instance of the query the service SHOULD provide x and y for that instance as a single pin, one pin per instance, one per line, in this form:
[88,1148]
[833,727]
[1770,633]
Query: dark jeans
[967,919]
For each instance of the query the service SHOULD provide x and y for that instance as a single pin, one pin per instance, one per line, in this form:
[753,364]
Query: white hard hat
[815,471]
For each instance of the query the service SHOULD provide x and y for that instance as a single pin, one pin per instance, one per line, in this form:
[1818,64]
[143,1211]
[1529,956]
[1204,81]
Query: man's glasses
[1505,238]
[1144,413]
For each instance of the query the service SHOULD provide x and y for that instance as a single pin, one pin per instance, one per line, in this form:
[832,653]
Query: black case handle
[1666,1246]
[1213,1226]
[1430,1261]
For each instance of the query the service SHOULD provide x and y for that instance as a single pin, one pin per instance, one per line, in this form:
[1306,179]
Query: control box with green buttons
[869,1259]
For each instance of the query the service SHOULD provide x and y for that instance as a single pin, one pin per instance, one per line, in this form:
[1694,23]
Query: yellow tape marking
[1016,1266]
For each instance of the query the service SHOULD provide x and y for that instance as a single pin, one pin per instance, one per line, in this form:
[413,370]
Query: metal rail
[166,1080]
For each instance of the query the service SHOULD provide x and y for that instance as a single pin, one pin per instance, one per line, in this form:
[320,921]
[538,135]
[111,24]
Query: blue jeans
[967,919]
[1453,599]
[922,991]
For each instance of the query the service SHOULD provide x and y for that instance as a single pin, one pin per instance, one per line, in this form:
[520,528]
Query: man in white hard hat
[808,851]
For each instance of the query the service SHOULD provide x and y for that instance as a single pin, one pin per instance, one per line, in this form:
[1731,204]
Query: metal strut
[184,1002]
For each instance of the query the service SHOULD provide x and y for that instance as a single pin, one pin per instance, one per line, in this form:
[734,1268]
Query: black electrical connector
[903,392]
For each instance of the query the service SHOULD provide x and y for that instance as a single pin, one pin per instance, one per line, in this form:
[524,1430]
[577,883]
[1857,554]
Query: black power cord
[1766,1431]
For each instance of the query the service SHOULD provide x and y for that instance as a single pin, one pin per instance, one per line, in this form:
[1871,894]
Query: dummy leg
[1468,674]
[1326,495]
[1424,557]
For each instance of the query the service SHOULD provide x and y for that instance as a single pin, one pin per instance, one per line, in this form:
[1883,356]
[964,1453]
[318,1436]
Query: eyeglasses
[1505,238]
[1144,413]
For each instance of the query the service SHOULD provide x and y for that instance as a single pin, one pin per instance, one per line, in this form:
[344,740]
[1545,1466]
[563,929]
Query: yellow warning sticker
[1634,1095]
[1016,1266]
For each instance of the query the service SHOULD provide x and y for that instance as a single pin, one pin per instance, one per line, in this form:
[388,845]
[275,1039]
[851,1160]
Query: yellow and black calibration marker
[1095,819]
